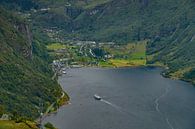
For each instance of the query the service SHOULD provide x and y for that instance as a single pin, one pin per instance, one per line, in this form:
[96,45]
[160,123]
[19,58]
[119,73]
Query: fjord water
[132,98]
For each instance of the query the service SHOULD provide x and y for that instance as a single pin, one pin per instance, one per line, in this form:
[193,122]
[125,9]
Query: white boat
[97,97]
[64,72]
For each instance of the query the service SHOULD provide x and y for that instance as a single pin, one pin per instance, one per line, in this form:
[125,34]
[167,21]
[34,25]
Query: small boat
[97,97]
[64,72]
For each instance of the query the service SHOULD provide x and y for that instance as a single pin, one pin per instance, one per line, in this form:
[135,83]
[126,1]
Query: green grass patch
[63,100]
[131,54]
[14,125]
[55,46]
[48,125]
[106,64]
[138,55]
[127,63]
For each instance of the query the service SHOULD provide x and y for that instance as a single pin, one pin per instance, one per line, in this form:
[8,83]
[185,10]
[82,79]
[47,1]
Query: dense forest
[25,75]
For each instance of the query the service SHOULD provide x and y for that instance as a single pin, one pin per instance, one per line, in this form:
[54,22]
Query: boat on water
[64,72]
[97,97]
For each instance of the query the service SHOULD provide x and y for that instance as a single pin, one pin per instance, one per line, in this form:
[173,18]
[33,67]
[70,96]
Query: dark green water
[133,98]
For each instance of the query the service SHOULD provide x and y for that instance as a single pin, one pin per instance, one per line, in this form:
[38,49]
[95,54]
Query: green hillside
[25,76]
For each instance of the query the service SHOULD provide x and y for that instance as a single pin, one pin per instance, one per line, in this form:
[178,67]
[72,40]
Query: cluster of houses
[85,49]
[5,117]
[93,44]
[58,66]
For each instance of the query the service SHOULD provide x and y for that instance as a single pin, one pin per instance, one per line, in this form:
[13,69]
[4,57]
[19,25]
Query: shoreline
[163,74]
[164,68]
[50,111]
[86,69]
[147,65]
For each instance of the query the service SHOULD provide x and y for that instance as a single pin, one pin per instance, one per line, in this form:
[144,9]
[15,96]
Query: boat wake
[111,104]
[118,108]
[170,125]
[158,99]
[167,90]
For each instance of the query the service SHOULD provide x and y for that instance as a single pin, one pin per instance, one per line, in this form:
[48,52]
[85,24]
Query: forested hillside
[25,76]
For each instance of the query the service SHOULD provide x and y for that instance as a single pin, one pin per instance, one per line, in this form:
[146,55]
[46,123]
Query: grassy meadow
[14,125]
[131,54]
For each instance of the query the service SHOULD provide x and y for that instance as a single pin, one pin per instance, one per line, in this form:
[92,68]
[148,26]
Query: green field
[127,63]
[131,54]
[55,46]
[14,125]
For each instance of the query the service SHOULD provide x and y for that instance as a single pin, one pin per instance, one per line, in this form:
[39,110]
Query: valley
[43,42]
[107,54]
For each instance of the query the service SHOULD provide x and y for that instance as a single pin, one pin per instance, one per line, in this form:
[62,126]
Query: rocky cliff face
[25,30]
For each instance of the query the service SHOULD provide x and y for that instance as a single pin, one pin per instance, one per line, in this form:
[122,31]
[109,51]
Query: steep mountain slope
[25,78]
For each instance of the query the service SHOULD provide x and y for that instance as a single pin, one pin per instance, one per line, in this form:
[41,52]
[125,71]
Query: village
[76,54]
